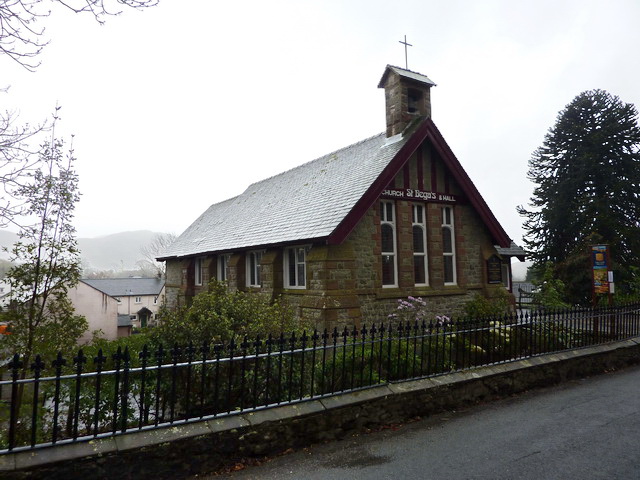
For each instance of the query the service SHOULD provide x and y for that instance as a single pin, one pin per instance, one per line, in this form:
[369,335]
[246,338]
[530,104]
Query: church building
[343,237]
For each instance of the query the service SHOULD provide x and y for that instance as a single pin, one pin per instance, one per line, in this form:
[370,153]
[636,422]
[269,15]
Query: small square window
[223,264]
[295,267]
[253,268]
[198,270]
[138,300]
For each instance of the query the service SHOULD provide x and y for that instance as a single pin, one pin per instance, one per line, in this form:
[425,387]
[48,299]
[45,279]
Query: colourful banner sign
[600,262]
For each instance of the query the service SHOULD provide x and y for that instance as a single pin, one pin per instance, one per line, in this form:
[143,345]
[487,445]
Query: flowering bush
[414,309]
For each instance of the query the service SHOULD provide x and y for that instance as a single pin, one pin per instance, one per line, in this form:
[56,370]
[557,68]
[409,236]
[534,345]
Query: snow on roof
[301,204]
[407,74]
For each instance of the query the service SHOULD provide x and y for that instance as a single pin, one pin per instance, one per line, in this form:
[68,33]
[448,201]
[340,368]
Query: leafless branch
[18,158]
[22,37]
[153,250]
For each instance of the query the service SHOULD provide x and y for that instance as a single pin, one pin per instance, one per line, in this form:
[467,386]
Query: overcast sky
[186,104]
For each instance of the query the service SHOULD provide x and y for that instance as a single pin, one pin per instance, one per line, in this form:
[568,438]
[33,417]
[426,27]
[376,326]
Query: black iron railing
[80,398]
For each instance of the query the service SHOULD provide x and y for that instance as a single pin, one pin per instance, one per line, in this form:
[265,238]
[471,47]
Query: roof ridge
[314,160]
[224,201]
[404,69]
[122,278]
[405,72]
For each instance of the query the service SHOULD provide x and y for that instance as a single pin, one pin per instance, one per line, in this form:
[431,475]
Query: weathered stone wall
[376,309]
[396,91]
[365,243]
[176,288]
[473,247]
[188,450]
[344,281]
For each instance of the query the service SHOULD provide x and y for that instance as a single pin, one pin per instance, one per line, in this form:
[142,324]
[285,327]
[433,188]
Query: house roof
[124,320]
[123,287]
[323,199]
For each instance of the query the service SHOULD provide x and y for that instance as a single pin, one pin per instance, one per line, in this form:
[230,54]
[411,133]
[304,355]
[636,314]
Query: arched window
[420,267]
[448,246]
[388,247]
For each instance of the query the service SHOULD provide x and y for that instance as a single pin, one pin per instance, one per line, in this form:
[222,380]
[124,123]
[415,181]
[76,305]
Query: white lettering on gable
[393,193]
[427,196]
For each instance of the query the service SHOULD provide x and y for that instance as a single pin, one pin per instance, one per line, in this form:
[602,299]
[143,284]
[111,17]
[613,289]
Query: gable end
[427,130]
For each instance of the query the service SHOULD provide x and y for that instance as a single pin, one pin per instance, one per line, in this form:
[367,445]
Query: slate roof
[305,203]
[125,287]
[512,250]
[405,73]
[124,320]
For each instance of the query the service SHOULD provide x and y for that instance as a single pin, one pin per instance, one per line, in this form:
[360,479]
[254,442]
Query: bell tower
[407,96]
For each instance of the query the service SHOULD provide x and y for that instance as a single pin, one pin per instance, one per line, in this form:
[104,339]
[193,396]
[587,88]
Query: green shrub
[550,291]
[482,307]
[219,315]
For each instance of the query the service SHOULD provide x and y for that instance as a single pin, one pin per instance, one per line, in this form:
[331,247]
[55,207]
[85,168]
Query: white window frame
[155,300]
[223,264]
[119,300]
[286,266]
[387,206]
[422,224]
[506,279]
[198,271]
[448,224]
[137,300]
[254,256]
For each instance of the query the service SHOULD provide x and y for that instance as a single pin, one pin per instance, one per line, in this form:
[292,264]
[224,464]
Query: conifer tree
[587,176]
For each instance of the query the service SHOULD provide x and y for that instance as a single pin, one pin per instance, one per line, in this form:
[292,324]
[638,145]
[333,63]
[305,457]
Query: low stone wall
[182,451]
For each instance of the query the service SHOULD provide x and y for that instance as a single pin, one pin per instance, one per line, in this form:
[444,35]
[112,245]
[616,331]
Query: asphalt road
[586,429]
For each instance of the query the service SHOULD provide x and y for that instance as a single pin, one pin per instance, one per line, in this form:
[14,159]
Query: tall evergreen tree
[587,173]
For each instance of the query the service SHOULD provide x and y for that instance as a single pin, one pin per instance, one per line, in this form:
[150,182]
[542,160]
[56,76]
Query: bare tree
[18,160]
[22,34]
[153,250]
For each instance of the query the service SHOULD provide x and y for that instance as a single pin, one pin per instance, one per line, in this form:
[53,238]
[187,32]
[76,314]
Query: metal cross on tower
[406,62]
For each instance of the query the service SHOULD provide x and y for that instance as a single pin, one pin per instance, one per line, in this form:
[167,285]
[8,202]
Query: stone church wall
[344,281]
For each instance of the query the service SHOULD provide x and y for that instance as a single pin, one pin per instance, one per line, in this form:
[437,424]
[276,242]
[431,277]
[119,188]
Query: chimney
[407,95]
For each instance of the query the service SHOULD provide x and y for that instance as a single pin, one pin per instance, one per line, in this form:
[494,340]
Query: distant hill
[118,252]
[7,239]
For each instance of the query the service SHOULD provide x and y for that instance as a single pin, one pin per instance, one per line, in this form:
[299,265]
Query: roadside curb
[185,450]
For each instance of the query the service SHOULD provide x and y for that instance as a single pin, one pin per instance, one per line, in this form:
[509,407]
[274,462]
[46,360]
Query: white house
[99,308]
[139,298]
